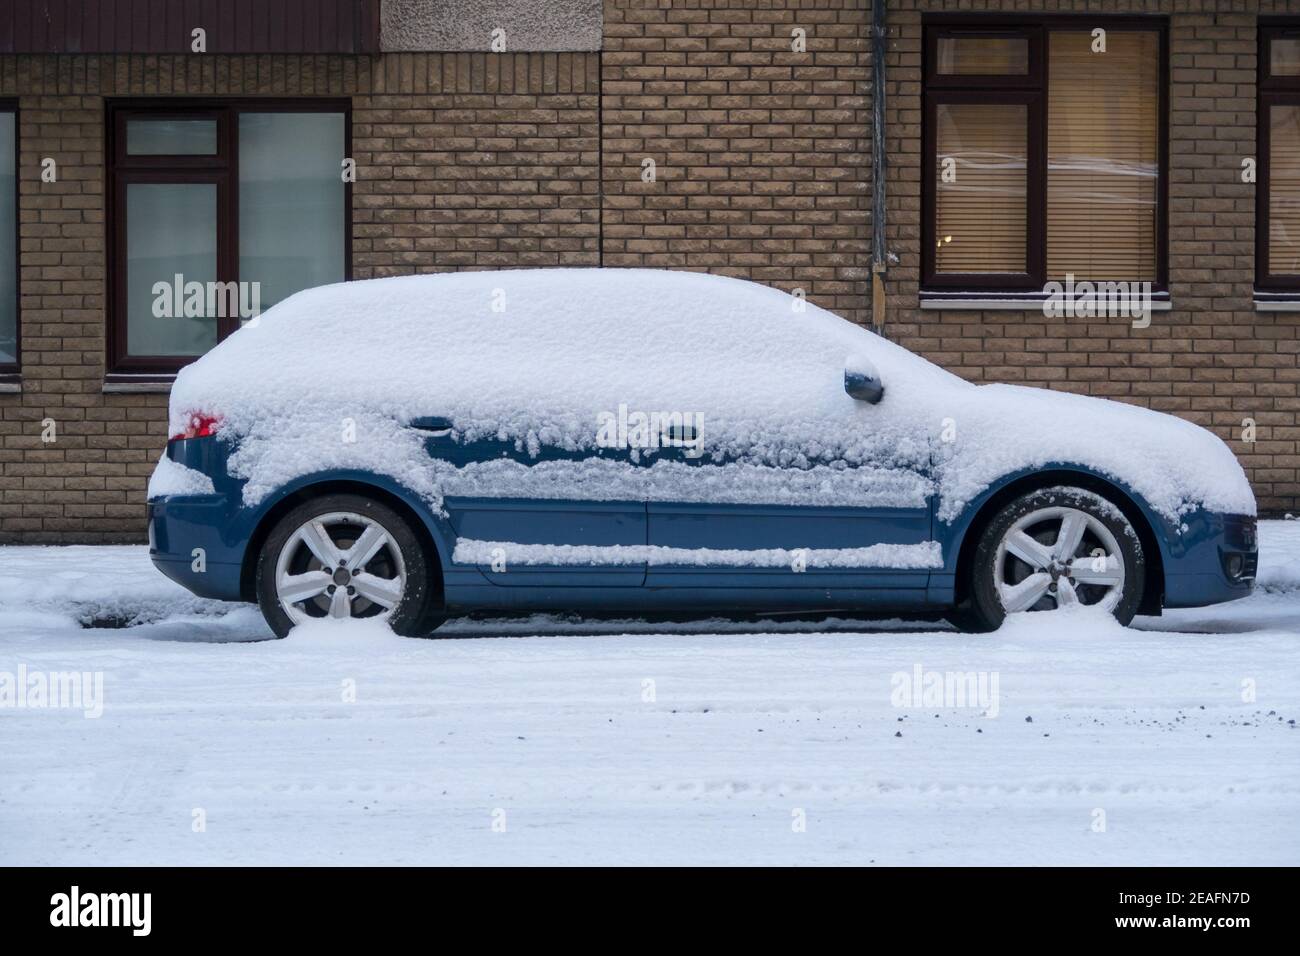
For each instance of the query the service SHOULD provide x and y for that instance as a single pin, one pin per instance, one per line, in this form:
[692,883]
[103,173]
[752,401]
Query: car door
[784,545]
[512,520]
[862,527]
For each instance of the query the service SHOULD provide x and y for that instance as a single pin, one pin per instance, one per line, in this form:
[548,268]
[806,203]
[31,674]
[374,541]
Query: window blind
[982,56]
[1103,156]
[1284,190]
[1284,56]
[981,212]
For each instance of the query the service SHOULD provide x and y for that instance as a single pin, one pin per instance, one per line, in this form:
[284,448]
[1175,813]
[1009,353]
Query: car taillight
[199,426]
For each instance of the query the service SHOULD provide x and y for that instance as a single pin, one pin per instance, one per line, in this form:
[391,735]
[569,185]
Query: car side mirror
[862,381]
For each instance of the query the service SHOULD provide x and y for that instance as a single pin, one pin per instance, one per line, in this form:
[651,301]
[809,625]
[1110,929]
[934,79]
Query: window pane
[291,225]
[983,56]
[1284,56]
[980,187]
[1103,159]
[171,231]
[8,242]
[1284,190]
[171,137]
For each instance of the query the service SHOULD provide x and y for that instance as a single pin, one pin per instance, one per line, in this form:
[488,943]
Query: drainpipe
[878,252]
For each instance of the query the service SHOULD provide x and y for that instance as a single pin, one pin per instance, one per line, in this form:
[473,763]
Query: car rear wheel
[341,557]
[1052,548]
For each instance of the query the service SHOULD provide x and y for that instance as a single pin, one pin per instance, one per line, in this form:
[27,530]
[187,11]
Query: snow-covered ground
[548,741]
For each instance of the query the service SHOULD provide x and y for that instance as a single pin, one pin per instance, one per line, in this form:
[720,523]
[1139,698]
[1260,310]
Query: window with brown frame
[1045,147]
[9,338]
[219,209]
[1277,233]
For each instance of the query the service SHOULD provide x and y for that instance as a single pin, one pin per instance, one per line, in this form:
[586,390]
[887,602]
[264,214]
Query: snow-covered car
[637,442]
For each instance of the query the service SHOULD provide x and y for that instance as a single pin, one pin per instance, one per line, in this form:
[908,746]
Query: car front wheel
[343,556]
[1052,548]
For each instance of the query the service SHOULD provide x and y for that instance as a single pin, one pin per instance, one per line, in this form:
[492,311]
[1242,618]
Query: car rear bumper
[187,545]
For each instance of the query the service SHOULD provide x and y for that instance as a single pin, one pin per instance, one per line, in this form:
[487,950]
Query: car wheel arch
[431,538]
[994,500]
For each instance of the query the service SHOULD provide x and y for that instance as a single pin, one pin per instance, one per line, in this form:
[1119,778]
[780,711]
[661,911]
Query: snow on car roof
[507,346]
[330,377]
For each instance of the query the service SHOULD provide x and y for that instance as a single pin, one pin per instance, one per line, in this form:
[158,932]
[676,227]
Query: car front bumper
[1211,558]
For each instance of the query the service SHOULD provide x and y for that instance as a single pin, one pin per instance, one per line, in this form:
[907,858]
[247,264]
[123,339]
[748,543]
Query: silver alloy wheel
[1082,555]
[340,565]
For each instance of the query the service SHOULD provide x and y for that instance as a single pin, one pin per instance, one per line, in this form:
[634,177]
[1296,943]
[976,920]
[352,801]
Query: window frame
[223,157]
[937,29]
[944,88]
[1270,91]
[221,169]
[1035,166]
[10,371]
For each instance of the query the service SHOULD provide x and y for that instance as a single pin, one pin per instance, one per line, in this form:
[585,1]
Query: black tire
[983,610]
[965,618]
[411,616]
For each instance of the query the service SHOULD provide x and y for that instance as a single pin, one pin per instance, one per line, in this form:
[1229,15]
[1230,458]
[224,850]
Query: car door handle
[685,441]
[433,424]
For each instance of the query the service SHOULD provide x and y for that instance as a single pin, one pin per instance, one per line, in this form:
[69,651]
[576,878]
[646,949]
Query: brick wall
[476,161]
[762,155]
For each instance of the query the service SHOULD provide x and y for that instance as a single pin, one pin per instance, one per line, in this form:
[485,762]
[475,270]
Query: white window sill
[1277,305]
[976,304]
[136,388]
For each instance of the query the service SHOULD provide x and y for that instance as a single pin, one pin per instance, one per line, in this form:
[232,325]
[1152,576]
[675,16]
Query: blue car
[638,442]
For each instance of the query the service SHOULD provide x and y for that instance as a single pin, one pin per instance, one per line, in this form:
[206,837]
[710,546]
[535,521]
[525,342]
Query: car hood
[1174,465]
